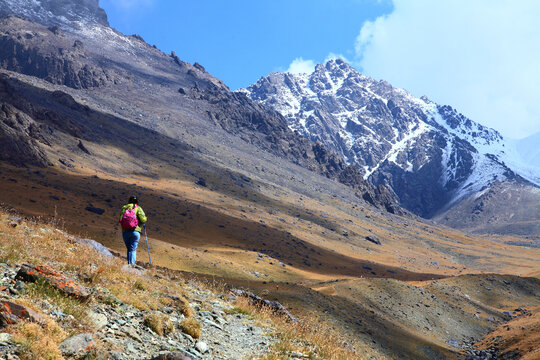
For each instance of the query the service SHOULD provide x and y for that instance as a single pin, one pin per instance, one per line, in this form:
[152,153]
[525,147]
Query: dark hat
[133,200]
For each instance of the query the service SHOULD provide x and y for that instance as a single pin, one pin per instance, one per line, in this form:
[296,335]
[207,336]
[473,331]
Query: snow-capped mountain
[430,155]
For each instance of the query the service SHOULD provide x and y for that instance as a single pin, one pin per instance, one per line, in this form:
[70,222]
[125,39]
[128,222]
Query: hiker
[131,220]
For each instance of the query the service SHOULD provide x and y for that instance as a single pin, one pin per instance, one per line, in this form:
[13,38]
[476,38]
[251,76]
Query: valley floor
[425,293]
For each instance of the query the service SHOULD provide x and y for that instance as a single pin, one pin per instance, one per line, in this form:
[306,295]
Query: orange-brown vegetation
[519,337]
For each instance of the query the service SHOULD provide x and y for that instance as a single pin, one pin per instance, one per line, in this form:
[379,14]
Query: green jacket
[140,215]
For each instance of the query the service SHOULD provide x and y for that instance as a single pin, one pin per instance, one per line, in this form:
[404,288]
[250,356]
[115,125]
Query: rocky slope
[103,326]
[429,155]
[489,211]
[90,55]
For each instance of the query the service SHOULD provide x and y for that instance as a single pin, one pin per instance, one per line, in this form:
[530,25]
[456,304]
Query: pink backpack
[129,219]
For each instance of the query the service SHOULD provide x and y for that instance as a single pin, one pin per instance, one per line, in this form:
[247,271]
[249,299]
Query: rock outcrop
[12,313]
[118,330]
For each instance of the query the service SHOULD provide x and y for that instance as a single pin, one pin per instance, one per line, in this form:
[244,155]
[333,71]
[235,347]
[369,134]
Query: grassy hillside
[222,208]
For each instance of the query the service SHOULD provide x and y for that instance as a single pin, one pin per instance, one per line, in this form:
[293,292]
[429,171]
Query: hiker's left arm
[142,217]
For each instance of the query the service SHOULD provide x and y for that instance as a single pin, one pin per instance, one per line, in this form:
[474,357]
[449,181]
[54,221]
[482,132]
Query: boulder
[94,244]
[53,278]
[373,239]
[201,182]
[12,313]
[95,210]
[129,268]
[98,320]
[77,345]
[201,347]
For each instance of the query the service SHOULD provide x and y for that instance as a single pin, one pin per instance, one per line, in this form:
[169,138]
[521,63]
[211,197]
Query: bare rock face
[19,135]
[268,129]
[378,196]
[56,12]
[35,50]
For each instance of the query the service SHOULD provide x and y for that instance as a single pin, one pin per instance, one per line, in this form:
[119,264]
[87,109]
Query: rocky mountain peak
[64,13]
[393,138]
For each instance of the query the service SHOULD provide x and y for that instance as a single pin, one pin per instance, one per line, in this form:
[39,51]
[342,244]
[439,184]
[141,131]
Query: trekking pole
[147,247]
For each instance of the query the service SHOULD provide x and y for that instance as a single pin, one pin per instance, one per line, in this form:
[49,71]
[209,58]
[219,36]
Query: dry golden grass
[521,335]
[191,327]
[70,306]
[159,323]
[38,243]
[39,341]
[146,293]
[308,336]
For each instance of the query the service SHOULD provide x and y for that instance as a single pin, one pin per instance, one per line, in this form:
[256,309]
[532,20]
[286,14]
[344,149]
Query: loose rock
[201,347]
[77,345]
[373,239]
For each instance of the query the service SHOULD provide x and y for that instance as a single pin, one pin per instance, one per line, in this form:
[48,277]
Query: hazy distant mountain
[524,156]
[429,155]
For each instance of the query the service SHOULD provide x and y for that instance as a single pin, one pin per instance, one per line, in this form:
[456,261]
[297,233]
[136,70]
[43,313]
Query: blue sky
[241,40]
[481,57]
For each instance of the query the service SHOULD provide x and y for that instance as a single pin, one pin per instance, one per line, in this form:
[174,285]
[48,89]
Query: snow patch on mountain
[401,146]
[64,13]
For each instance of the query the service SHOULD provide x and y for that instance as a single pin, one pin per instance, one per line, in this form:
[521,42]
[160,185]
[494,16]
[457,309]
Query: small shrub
[159,323]
[140,285]
[191,327]
[184,307]
[236,310]
[96,275]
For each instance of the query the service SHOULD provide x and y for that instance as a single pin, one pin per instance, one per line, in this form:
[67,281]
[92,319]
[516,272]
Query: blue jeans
[131,239]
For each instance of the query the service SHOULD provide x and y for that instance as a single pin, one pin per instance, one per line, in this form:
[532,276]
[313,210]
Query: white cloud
[301,66]
[480,57]
[129,4]
[333,56]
